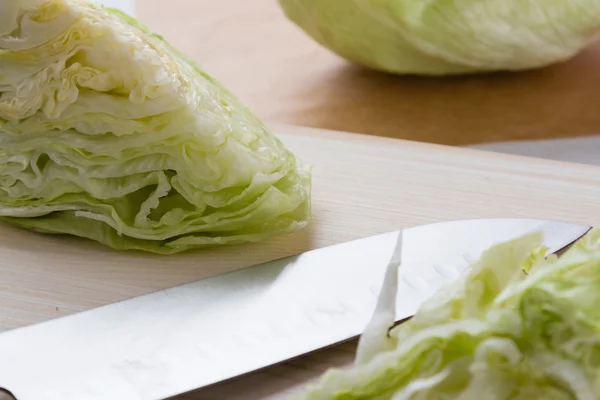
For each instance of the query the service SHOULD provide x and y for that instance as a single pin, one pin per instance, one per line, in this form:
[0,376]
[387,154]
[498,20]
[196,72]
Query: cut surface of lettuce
[517,325]
[441,37]
[109,133]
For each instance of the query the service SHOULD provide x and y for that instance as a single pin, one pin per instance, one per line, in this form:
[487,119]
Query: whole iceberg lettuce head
[439,37]
[517,326]
[109,133]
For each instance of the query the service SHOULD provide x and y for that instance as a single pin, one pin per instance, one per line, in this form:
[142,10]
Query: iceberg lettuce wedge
[108,132]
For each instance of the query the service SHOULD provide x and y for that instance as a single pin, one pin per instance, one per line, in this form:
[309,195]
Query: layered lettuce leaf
[108,132]
[517,325]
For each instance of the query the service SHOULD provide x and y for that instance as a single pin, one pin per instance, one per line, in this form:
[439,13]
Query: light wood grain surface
[362,186]
[285,77]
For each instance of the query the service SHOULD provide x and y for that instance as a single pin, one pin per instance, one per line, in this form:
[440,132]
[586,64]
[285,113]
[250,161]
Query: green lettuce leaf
[440,37]
[517,325]
[109,133]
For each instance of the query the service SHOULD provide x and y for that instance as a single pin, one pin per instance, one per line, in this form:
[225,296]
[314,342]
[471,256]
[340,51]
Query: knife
[186,337]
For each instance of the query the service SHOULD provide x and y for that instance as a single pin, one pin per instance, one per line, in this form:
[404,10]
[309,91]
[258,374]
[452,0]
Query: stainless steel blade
[169,342]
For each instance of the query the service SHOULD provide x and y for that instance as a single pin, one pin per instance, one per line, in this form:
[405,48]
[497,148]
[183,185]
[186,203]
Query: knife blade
[186,337]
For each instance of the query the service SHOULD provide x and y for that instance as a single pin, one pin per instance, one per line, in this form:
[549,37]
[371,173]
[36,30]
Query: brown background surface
[285,77]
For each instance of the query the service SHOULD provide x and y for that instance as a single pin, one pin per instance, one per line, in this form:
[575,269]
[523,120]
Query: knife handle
[6,395]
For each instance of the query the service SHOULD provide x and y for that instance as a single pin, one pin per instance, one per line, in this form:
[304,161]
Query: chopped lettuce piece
[108,132]
[517,325]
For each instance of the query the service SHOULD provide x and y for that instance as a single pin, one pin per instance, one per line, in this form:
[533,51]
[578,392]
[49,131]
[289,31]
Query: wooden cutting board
[362,186]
